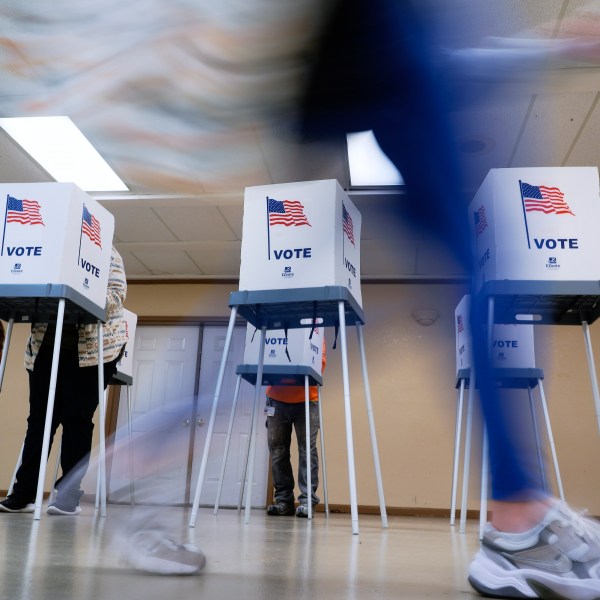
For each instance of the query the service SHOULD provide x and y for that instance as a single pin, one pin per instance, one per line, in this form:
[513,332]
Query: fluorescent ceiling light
[61,149]
[369,166]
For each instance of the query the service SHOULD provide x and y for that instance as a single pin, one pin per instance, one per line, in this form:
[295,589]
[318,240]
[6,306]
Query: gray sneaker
[152,551]
[557,560]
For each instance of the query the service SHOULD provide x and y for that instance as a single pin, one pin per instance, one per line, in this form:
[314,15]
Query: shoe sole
[27,509]
[160,566]
[491,580]
[54,510]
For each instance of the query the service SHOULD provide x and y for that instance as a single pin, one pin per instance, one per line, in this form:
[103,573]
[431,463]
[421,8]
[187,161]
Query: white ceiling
[187,138]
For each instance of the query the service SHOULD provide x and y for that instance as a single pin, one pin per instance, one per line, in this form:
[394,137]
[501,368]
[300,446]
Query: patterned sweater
[114,330]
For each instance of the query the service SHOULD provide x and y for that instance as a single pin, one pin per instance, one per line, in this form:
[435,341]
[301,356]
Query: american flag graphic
[460,326]
[347,224]
[25,212]
[541,198]
[480,221]
[286,212]
[91,227]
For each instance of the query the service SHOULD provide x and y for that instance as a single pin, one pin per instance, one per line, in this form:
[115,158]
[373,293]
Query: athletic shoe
[152,551]
[280,509]
[302,511]
[13,505]
[66,503]
[557,560]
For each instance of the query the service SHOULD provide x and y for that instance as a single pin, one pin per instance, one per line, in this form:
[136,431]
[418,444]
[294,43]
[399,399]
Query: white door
[165,375]
[213,341]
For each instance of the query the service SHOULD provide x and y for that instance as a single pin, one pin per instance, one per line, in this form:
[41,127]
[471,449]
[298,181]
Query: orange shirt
[295,393]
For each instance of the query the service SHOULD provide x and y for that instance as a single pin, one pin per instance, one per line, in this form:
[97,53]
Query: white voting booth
[512,355]
[300,267]
[292,358]
[535,233]
[54,264]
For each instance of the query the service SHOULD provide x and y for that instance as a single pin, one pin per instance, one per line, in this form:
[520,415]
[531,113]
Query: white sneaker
[558,559]
[152,551]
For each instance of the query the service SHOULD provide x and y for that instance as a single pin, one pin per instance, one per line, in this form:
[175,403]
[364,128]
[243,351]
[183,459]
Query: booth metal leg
[348,415]
[130,434]
[538,442]
[98,501]
[245,468]
[457,441]
[102,423]
[323,461]
[377,464]
[211,423]
[483,502]
[592,368]
[227,442]
[467,454]
[307,428]
[252,453]
[4,358]
[60,315]
[551,440]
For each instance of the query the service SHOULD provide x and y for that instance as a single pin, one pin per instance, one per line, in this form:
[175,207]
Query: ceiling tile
[203,223]
[138,223]
[218,258]
[161,260]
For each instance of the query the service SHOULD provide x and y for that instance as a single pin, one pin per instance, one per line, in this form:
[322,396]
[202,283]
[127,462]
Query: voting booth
[300,268]
[536,244]
[534,232]
[512,346]
[55,252]
[512,356]
[55,242]
[290,358]
[298,347]
[300,235]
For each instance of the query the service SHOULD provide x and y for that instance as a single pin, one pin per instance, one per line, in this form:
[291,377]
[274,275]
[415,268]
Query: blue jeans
[279,437]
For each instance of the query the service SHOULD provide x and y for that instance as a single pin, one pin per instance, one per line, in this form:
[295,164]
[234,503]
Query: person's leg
[24,490]
[279,437]
[79,388]
[300,429]
[376,70]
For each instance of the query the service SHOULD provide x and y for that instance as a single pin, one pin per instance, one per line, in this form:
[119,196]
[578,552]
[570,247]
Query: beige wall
[411,371]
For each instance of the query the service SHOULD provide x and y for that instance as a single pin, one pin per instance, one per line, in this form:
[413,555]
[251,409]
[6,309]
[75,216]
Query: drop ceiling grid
[553,125]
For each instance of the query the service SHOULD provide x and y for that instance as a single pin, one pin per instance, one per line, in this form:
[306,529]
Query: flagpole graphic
[524,214]
[268,232]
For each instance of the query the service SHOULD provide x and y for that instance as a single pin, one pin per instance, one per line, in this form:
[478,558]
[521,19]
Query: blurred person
[285,411]
[377,69]
[76,397]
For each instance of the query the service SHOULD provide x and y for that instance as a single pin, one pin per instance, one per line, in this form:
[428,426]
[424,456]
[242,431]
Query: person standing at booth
[285,411]
[76,397]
